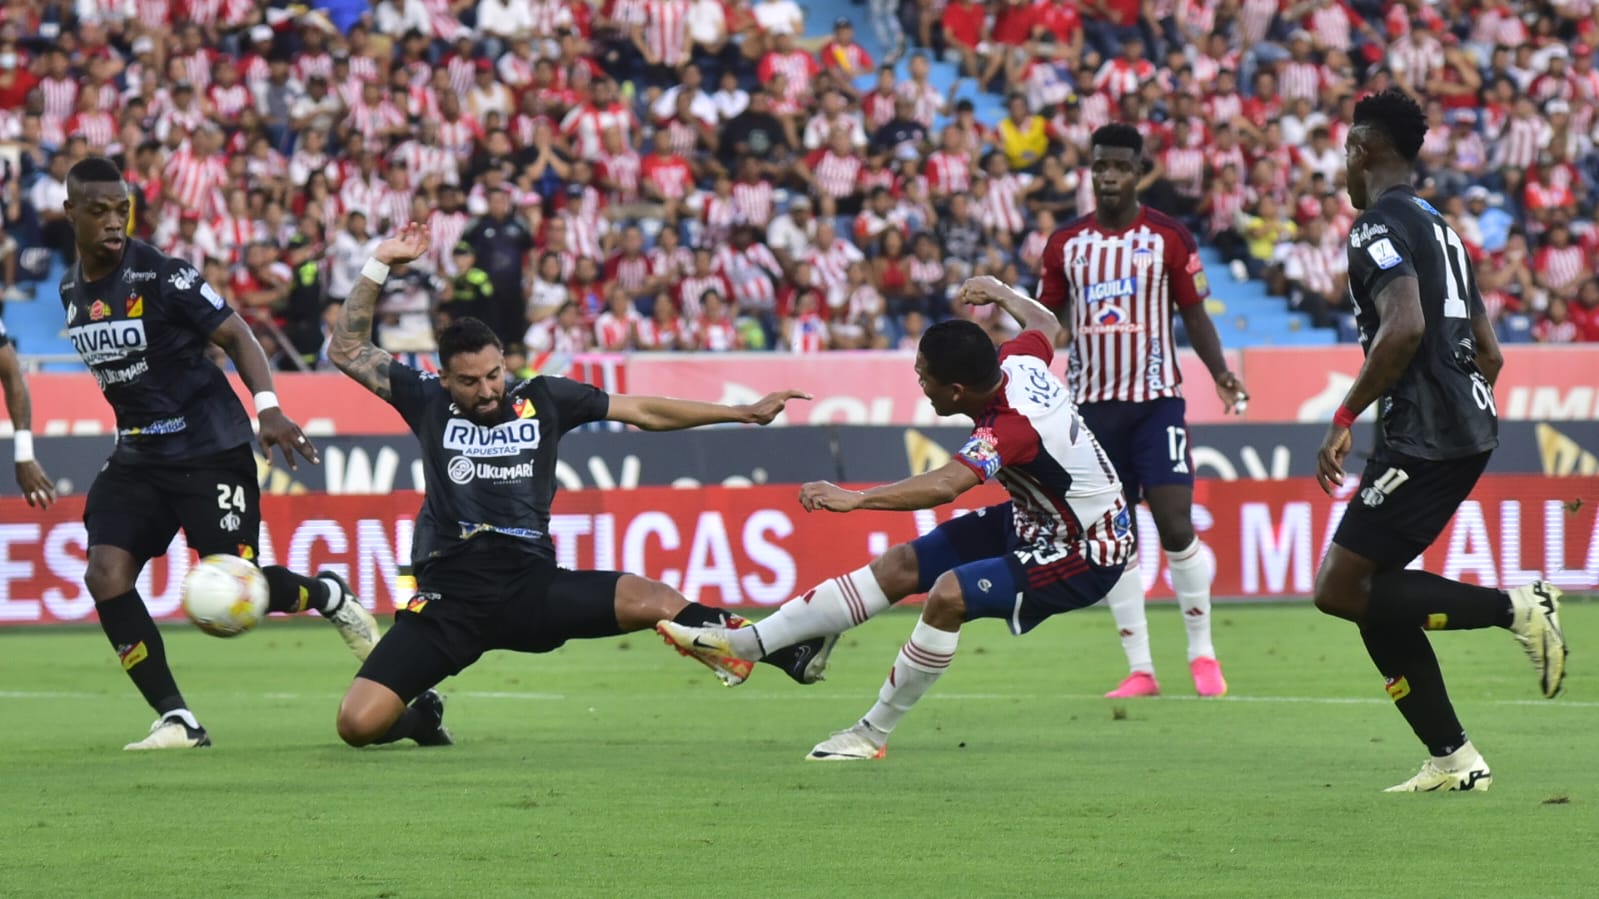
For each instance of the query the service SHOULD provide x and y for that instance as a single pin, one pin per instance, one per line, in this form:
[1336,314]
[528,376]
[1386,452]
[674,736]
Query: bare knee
[640,602]
[946,606]
[367,712]
[897,572]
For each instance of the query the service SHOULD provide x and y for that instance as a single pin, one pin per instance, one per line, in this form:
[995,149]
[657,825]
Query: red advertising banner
[755,547]
[856,388]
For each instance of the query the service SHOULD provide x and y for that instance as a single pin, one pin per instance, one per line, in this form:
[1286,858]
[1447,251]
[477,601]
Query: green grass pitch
[615,768]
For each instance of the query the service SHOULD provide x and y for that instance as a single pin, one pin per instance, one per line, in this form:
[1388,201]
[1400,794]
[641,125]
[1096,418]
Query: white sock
[921,660]
[1190,579]
[832,607]
[184,715]
[1126,601]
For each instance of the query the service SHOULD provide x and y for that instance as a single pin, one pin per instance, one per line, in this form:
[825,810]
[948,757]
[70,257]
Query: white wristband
[375,271]
[23,446]
[265,400]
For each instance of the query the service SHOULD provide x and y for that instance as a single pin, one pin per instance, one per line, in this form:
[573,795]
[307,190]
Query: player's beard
[487,418]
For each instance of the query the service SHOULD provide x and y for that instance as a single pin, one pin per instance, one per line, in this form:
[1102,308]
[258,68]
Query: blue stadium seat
[1515,328]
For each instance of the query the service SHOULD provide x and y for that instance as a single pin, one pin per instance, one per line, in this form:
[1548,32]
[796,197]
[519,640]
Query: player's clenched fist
[983,290]
[827,496]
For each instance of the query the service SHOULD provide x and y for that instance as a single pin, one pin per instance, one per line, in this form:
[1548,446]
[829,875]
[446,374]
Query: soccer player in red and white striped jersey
[1114,278]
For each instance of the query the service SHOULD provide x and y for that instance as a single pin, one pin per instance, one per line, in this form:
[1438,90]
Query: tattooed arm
[351,348]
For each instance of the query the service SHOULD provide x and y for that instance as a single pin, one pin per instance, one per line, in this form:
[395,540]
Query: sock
[696,615]
[1190,579]
[133,634]
[1416,685]
[411,721]
[1425,600]
[832,607]
[184,715]
[921,660]
[1126,601]
[293,593]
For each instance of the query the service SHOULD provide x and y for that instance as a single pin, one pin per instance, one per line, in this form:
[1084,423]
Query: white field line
[790,696]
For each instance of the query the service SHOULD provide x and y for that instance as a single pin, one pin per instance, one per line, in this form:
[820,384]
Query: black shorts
[216,501]
[1403,504]
[457,616]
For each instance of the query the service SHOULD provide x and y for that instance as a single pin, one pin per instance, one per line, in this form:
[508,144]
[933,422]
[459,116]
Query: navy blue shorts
[1147,442]
[1002,578]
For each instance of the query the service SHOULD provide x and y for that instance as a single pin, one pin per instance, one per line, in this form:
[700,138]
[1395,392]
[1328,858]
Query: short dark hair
[1118,134]
[1397,117]
[960,352]
[465,335]
[94,170]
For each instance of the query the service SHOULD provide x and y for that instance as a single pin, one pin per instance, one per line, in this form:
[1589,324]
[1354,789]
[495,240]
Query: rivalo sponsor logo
[102,342]
[509,438]
[1110,290]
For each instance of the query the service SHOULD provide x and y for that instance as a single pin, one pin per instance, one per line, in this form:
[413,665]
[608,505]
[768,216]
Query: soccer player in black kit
[1431,361]
[484,562]
[142,321]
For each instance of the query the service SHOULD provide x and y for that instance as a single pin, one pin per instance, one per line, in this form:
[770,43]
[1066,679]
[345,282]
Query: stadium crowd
[695,174]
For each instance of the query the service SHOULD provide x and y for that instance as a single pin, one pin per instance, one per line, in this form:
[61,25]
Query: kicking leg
[841,603]
[233,487]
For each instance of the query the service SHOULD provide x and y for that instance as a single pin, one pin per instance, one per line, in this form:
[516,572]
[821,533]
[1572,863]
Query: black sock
[293,593]
[696,615]
[134,636]
[1425,600]
[411,722]
[1416,685]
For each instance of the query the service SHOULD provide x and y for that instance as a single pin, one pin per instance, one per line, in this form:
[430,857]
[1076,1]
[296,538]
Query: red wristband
[1343,418]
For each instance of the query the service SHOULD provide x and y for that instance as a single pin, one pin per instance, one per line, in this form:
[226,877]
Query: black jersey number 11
[1455,297]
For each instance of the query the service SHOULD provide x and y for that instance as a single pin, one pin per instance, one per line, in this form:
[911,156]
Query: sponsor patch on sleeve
[981,452]
[211,296]
[1383,253]
[1194,265]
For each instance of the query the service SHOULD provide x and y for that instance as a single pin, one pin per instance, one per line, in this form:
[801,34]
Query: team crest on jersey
[1110,315]
[1110,290]
[135,308]
[524,408]
[982,452]
[99,310]
[1143,258]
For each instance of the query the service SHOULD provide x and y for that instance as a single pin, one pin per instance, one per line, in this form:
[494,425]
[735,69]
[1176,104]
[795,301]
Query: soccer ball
[225,595]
